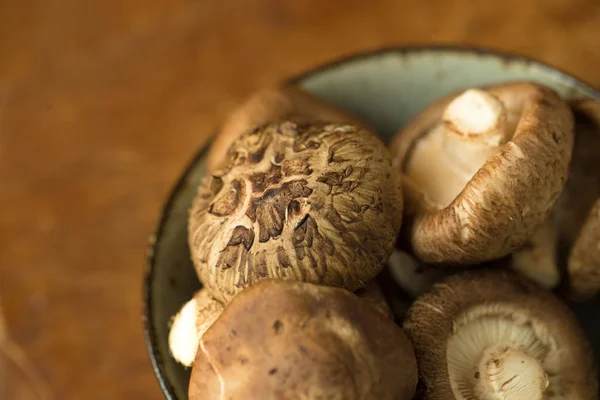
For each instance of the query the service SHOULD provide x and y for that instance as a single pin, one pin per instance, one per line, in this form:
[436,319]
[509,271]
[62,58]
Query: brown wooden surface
[102,103]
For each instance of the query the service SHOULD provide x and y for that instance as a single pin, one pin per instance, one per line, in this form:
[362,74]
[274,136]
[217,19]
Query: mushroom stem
[506,373]
[412,276]
[475,125]
[190,323]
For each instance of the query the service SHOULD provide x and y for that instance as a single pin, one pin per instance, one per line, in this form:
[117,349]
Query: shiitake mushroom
[566,248]
[482,170]
[198,314]
[314,203]
[293,340]
[273,104]
[496,335]
[318,202]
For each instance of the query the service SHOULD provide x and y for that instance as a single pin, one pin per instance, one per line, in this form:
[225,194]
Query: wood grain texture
[103,102]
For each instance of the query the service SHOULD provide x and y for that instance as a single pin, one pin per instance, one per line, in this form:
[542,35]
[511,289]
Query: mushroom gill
[493,335]
[496,352]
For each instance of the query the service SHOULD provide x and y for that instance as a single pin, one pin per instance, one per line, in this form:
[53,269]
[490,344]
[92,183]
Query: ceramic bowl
[385,88]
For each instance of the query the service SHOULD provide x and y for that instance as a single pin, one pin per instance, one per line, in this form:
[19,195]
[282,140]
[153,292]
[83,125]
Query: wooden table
[102,103]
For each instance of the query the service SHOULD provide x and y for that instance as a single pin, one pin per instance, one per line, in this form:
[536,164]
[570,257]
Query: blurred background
[102,104]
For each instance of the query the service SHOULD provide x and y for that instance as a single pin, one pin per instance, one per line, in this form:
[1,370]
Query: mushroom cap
[373,295]
[584,260]
[280,103]
[316,203]
[500,207]
[452,326]
[571,235]
[398,301]
[190,323]
[580,204]
[294,340]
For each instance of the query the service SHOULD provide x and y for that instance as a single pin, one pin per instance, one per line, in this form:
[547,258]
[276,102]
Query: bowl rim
[150,335]
[507,56]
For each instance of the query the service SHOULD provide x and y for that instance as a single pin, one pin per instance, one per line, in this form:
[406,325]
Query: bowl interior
[386,89]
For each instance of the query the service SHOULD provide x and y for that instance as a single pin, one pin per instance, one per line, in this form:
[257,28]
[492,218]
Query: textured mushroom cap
[519,313]
[509,196]
[190,323]
[293,340]
[283,103]
[314,203]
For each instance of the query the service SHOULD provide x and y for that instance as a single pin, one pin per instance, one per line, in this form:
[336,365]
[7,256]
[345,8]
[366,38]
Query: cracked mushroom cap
[314,203]
[293,340]
[501,157]
[190,323]
[571,236]
[282,103]
[495,335]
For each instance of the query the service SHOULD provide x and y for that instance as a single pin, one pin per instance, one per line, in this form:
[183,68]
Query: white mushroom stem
[190,323]
[183,337]
[478,114]
[510,374]
[474,125]
[537,260]
[413,277]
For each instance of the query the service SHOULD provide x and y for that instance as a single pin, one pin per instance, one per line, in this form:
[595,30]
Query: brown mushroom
[584,261]
[281,103]
[495,335]
[583,191]
[293,340]
[315,203]
[482,170]
[571,236]
[197,315]
[373,295]
[190,323]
